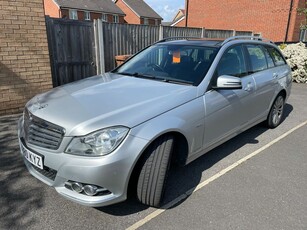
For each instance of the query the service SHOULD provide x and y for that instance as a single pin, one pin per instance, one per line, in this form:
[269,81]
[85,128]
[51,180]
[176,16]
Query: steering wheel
[156,67]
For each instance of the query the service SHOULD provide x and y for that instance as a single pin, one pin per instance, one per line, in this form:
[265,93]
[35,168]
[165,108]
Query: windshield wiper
[173,80]
[139,75]
[146,76]
[123,73]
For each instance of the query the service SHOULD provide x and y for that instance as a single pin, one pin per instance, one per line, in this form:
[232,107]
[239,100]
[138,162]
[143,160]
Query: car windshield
[182,64]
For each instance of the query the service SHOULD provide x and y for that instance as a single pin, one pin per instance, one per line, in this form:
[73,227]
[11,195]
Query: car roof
[211,42]
[192,41]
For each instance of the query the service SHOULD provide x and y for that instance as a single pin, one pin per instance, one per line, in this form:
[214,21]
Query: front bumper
[111,172]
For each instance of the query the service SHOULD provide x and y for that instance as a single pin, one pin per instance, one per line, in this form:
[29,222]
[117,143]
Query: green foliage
[282,46]
[303,11]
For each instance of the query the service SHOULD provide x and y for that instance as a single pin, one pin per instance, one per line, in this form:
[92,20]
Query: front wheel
[276,112]
[154,170]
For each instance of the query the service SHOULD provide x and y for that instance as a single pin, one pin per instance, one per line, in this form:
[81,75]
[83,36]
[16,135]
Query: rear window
[268,58]
[277,57]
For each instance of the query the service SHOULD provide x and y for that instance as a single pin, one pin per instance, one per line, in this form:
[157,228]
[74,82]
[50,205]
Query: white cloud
[166,8]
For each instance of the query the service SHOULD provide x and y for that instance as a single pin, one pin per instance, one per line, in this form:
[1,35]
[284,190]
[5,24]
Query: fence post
[161,32]
[203,30]
[96,46]
[99,43]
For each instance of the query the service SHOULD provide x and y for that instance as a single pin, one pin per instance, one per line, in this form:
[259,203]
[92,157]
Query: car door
[262,69]
[227,110]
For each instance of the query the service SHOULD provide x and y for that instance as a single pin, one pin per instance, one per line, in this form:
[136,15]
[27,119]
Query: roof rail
[175,38]
[247,38]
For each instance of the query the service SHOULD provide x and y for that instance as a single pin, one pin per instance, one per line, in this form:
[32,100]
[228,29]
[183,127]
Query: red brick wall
[151,22]
[51,9]
[94,15]
[64,13]
[122,19]
[181,23]
[24,57]
[296,20]
[268,17]
[111,18]
[130,17]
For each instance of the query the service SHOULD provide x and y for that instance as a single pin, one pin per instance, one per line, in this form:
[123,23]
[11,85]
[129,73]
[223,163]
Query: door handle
[248,87]
[275,75]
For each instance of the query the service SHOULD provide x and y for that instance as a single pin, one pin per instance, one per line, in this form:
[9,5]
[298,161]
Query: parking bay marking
[206,182]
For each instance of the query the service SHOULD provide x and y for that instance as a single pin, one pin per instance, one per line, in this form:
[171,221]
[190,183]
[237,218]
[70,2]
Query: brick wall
[268,17]
[24,58]
[296,20]
[181,23]
[51,9]
[64,13]
[151,22]
[130,17]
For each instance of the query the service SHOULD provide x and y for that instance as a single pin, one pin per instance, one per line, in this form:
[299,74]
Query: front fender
[187,120]
[152,129]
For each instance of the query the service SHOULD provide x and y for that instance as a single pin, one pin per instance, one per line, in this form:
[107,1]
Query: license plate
[33,158]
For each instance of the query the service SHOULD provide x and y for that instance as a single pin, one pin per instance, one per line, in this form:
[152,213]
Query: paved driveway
[267,191]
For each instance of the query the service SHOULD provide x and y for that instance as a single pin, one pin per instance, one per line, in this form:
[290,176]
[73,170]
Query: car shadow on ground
[183,179]
[17,199]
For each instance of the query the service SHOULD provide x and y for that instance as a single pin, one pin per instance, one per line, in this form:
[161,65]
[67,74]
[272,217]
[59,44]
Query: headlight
[99,143]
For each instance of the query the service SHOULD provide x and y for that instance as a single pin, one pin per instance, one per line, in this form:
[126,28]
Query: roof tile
[141,8]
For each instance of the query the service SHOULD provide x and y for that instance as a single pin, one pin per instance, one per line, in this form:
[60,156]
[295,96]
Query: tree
[303,11]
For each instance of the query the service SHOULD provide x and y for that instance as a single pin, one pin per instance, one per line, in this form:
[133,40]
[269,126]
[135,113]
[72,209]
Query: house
[179,19]
[84,10]
[277,20]
[138,12]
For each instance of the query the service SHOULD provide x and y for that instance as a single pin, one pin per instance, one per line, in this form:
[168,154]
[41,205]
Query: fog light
[77,187]
[90,190]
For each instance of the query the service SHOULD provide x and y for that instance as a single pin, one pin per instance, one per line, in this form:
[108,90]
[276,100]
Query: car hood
[108,100]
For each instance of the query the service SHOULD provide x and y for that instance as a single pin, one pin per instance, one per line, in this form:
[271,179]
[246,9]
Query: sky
[167,9]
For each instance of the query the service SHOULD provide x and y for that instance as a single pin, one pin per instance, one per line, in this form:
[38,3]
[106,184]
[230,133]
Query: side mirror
[228,82]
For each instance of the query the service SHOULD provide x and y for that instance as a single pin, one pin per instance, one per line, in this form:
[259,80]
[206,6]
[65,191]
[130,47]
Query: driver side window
[232,63]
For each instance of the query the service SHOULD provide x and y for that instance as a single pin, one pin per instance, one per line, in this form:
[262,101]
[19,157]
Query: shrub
[296,55]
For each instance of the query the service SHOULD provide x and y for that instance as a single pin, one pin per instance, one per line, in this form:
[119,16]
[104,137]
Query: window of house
[104,17]
[73,14]
[156,22]
[115,19]
[257,58]
[87,15]
[146,21]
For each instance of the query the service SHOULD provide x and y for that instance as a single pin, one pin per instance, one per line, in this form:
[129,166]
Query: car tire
[154,170]
[276,112]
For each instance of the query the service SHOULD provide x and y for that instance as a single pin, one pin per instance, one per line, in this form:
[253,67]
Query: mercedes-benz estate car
[170,103]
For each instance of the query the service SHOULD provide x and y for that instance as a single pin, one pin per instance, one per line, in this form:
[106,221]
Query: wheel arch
[283,93]
[179,157]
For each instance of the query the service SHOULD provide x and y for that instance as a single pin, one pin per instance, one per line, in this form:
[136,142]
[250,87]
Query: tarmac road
[267,191]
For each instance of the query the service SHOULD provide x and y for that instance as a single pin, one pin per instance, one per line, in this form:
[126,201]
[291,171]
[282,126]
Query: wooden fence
[72,50]
[79,49]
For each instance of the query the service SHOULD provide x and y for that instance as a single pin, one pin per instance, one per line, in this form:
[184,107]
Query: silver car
[177,99]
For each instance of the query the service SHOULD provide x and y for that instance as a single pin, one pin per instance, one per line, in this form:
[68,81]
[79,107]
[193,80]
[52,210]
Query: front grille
[47,172]
[42,133]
